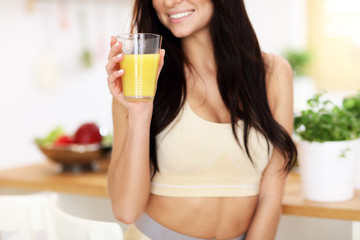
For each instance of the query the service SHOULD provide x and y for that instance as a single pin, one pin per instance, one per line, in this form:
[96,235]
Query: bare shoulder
[279,80]
[277,69]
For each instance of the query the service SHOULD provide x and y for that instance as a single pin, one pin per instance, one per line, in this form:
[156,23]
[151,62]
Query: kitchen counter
[295,204]
[48,177]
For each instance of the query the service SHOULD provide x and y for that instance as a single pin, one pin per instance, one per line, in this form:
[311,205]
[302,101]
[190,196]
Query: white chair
[39,217]
[25,217]
[70,227]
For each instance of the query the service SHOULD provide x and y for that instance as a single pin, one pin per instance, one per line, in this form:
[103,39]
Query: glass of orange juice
[141,60]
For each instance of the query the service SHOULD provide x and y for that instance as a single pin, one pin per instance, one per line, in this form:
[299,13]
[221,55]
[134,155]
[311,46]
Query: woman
[208,159]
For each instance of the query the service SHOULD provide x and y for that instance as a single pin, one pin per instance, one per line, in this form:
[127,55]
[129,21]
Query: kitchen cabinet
[47,177]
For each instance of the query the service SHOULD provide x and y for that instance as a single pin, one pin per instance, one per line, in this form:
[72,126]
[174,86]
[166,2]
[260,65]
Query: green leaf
[107,140]
[324,121]
[51,137]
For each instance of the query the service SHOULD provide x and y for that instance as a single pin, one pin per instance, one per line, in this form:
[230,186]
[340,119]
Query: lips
[180,16]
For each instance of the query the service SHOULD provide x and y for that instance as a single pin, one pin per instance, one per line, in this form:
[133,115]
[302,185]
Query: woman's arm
[280,95]
[129,170]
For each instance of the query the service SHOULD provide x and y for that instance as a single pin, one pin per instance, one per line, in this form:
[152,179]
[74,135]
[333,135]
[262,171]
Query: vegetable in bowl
[79,151]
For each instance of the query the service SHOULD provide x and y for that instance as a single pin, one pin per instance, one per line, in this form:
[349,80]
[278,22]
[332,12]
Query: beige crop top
[201,158]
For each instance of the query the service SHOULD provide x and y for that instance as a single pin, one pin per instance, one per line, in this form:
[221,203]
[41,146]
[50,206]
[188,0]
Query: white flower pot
[327,170]
[357,166]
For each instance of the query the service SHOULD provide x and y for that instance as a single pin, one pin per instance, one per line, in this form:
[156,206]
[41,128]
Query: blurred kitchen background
[52,63]
[53,56]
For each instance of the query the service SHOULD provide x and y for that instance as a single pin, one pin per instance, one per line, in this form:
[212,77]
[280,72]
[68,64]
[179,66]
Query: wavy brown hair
[241,73]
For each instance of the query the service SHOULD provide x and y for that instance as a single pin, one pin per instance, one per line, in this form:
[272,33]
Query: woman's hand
[113,69]
[115,73]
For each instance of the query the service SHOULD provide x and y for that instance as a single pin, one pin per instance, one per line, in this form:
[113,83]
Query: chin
[181,33]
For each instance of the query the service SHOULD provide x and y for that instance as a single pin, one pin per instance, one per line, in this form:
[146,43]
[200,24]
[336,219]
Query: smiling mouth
[180,15]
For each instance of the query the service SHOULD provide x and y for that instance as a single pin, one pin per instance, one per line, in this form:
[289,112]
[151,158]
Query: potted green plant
[299,60]
[328,140]
[352,104]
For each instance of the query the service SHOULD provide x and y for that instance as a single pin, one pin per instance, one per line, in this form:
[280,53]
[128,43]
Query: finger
[161,61]
[116,48]
[113,63]
[114,81]
[114,76]
[113,40]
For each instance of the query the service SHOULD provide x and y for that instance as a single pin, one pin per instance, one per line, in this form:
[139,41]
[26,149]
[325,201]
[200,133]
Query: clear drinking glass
[141,60]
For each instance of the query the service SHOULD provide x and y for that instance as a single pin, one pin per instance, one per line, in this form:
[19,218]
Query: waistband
[156,231]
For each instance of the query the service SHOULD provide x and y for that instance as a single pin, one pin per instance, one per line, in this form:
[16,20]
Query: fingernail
[121,71]
[117,43]
[119,55]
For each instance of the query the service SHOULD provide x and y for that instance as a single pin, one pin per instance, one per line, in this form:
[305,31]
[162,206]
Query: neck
[199,50]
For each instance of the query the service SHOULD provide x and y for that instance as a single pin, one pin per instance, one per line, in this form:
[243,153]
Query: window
[334,39]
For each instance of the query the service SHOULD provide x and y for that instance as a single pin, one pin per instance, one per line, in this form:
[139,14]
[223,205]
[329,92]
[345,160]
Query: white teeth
[180,15]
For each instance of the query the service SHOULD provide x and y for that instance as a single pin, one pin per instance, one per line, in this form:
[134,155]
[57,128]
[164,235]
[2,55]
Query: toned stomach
[203,217]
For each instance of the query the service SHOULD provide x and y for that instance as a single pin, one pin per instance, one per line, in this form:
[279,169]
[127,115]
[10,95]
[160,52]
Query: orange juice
[139,79]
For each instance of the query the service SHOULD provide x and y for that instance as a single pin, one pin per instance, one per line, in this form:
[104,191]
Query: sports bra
[200,158]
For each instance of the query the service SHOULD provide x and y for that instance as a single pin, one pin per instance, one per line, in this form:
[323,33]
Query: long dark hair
[241,73]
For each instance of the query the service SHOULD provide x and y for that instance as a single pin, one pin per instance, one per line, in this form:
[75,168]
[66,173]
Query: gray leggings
[156,231]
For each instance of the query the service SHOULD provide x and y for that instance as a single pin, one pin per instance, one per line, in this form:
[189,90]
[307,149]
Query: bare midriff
[203,217]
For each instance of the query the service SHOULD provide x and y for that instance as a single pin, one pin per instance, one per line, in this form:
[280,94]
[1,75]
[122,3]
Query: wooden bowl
[76,157]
